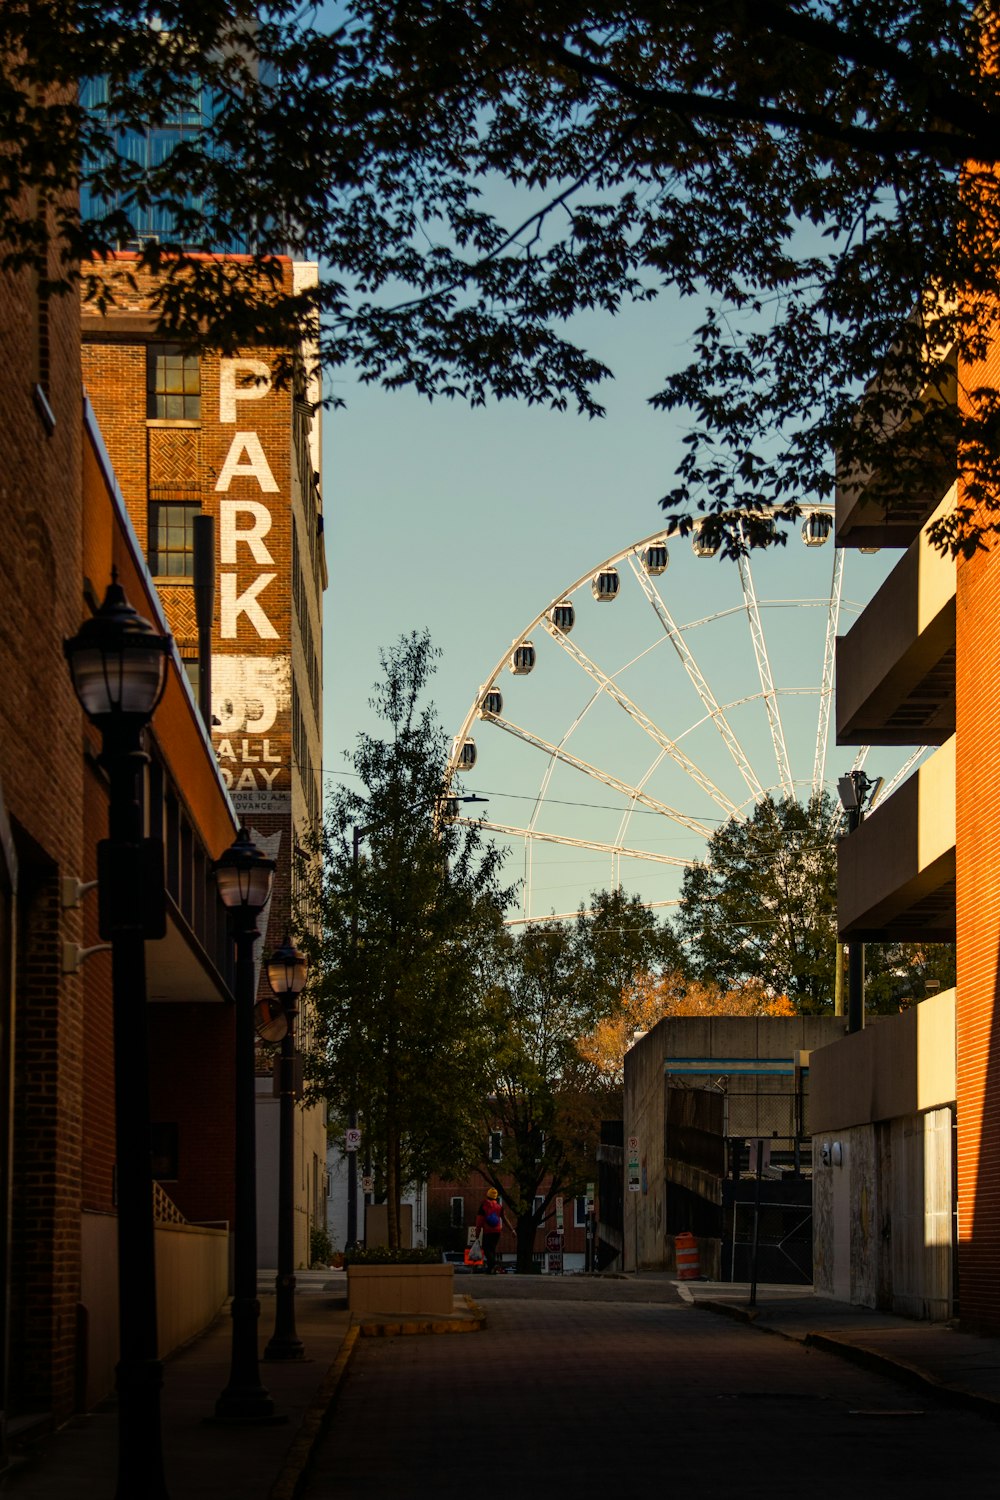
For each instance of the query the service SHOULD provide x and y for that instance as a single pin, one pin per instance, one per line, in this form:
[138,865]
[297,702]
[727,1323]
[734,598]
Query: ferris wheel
[640,709]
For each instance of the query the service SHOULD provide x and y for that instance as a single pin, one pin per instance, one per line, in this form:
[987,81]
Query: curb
[901,1369]
[736,1311]
[313,1424]
[470,1321]
[868,1359]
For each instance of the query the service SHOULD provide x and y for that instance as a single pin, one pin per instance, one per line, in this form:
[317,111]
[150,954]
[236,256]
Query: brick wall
[978,936]
[978,919]
[192,1085]
[41,783]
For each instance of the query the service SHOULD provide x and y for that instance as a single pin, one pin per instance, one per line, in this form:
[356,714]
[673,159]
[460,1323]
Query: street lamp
[286,974]
[117,661]
[243,875]
[359,831]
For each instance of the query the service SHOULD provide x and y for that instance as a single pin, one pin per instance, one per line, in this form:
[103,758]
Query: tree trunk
[391,1146]
[392,1180]
[526,1229]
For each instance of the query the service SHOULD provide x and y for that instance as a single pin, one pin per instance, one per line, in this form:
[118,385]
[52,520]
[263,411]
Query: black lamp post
[244,875]
[117,661]
[857,792]
[286,974]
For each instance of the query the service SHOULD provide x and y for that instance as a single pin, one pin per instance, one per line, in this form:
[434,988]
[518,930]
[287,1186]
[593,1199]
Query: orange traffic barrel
[686,1250]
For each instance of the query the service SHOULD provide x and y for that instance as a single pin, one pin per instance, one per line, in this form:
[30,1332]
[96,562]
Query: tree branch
[856,46]
[885,144]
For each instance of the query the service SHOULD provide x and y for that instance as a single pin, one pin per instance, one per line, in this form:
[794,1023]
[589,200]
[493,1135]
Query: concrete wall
[882,1214]
[901,1066]
[644,1218]
[192,1274]
[881,1111]
[904,633]
[895,872]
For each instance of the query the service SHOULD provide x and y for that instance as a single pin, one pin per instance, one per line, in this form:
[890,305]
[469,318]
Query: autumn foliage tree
[654,998]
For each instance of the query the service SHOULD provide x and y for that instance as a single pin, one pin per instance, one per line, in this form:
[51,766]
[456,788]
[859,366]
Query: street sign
[555,1265]
[633,1145]
[368,1184]
[553,1240]
[352,1139]
[559,1215]
[633,1173]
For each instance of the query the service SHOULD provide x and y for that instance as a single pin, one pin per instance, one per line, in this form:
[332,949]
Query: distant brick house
[451,1218]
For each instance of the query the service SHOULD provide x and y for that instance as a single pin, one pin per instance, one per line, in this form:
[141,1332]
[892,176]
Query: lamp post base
[284,1342]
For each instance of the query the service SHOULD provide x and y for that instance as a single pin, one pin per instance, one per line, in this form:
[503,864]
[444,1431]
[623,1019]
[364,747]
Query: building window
[171,538]
[457,1213]
[173,384]
[495,1146]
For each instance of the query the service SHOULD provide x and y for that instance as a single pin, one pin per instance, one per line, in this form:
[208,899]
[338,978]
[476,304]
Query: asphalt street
[620,1384]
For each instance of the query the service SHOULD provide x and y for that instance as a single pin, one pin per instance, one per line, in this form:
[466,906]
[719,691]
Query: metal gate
[784,1231]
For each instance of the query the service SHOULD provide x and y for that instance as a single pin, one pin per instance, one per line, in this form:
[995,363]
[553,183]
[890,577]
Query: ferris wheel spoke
[634,793]
[694,672]
[826,681]
[610,686]
[764,671]
[536,834]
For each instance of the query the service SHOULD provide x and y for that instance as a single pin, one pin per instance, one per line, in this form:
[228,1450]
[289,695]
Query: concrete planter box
[400,1289]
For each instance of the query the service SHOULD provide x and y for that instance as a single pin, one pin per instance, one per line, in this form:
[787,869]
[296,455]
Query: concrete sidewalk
[939,1357]
[203,1461]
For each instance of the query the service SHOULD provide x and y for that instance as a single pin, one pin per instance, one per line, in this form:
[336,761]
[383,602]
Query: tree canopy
[400,911]
[758,919]
[554,983]
[763,906]
[472,175]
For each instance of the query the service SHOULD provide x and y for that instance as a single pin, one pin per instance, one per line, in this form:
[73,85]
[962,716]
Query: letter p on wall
[241,380]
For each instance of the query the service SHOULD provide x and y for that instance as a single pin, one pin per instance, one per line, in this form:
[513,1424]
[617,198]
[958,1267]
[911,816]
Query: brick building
[41,836]
[69,529]
[200,435]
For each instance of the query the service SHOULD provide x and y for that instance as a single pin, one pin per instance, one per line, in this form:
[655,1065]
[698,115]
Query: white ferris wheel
[653,699]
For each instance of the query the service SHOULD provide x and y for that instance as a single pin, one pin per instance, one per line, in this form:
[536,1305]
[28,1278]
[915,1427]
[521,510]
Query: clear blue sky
[469,522]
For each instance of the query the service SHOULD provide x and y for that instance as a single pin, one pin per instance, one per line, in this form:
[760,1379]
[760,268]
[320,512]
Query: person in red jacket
[489,1223]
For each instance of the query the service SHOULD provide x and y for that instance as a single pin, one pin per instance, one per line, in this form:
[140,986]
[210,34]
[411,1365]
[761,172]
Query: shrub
[381,1255]
[320,1246]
